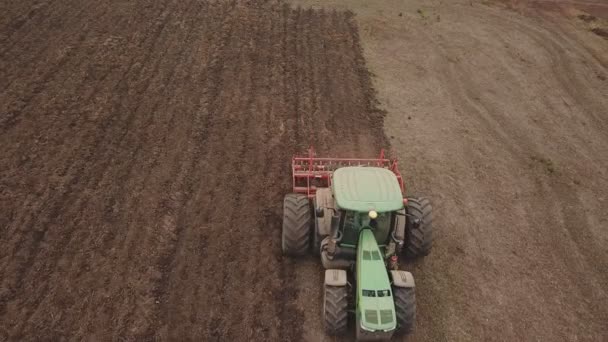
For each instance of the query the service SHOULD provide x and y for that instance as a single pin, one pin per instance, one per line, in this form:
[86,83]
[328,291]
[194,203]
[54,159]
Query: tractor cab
[359,198]
[366,197]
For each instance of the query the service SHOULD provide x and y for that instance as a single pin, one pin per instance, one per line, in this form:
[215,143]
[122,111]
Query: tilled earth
[145,150]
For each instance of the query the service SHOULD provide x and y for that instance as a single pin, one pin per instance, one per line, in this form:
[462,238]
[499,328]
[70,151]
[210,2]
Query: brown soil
[499,115]
[145,151]
[145,146]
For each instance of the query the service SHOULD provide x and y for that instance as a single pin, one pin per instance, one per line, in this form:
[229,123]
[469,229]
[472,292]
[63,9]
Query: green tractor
[352,213]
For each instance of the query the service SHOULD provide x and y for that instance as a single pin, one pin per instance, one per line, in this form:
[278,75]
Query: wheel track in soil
[519,145]
[578,92]
[565,73]
[553,256]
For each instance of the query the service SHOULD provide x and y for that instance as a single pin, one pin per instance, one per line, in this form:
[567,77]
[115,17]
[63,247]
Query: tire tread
[335,309]
[296,224]
[405,309]
[419,239]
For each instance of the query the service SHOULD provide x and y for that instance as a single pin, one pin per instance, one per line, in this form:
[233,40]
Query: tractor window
[351,223]
[350,227]
[369,293]
[384,293]
[383,227]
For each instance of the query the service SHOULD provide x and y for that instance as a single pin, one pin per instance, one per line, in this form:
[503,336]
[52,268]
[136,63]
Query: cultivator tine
[310,172]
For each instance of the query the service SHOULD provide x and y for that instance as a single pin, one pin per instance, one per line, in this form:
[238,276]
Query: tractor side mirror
[319,212]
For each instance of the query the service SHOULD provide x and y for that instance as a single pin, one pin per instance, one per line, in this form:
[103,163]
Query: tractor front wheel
[419,227]
[335,305]
[296,224]
[405,308]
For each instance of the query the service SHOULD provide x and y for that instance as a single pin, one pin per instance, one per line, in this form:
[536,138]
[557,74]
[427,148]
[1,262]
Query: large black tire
[335,309]
[419,238]
[405,308]
[295,239]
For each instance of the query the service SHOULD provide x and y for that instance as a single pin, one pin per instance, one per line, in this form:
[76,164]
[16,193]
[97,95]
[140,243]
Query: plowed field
[145,151]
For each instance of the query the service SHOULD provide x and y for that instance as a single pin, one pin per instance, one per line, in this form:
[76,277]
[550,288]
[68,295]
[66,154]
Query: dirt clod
[587,18]
[602,32]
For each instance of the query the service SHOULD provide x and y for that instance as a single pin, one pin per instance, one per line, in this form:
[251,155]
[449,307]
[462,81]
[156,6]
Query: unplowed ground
[145,150]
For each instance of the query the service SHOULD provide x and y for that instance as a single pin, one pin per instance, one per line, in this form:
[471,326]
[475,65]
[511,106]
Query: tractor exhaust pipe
[334,256]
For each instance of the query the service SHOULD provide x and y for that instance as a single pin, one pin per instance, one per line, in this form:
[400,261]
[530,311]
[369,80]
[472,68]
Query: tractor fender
[324,199]
[402,279]
[335,277]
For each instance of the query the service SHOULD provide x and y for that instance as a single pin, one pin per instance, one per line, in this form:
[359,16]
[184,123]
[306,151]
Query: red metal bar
[310,173]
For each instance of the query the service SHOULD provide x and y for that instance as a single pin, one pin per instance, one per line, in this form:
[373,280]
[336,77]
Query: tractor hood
[367,188]
[375,306]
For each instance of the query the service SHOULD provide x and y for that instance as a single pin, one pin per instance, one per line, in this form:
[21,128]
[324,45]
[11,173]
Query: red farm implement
[311,172]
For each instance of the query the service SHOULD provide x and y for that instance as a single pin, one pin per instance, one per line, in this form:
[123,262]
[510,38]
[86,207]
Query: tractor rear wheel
[419,227]
[335,309]
[405,308]
[296,224]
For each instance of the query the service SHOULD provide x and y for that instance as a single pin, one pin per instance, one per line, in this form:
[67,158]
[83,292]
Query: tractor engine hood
[375,304]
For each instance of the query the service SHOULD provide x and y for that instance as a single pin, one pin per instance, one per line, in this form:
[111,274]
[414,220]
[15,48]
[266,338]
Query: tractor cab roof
[366,188]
